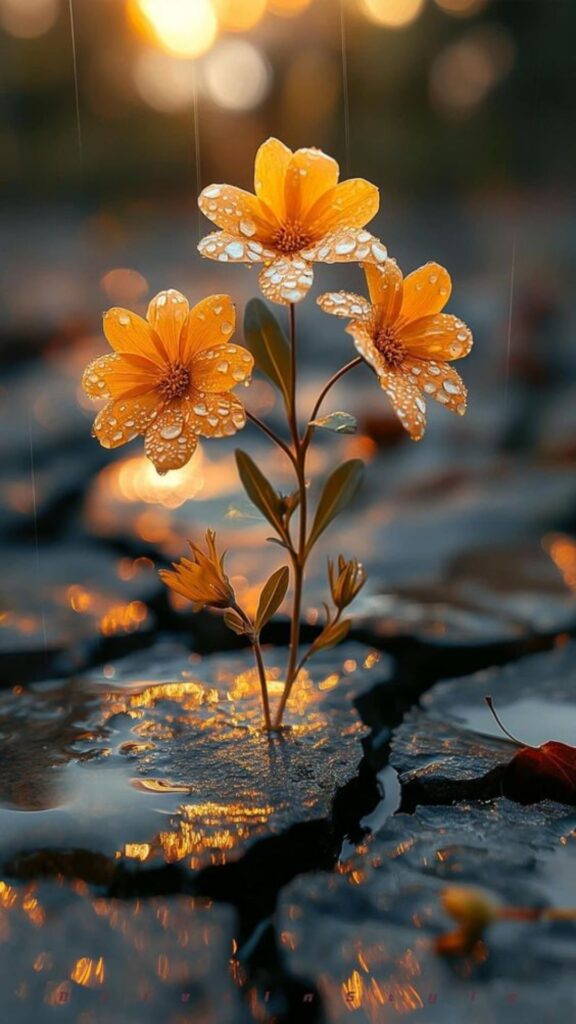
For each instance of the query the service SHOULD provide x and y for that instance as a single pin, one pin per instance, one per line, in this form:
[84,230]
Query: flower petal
[347,246]
[270,168]
[385,289]
[132,376]
[426,291]
[407,401]
[220,368]
[310,174]
[227,248]
[442,337]
[209,323]
[345,304]
[288,279]
[97,376]
[399,385]
[123,419]
[351,204]
[167,312]
[238,212]
[170,442]
[125,331]
[440,381]
[217,415]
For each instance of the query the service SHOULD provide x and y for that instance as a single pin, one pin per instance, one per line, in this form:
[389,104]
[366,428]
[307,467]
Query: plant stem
[299,555]
[273,437]
[263,684]
[333,380]
[255,641]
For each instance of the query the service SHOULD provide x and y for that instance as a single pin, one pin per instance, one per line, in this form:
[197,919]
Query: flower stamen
[391,350]
[175,382]
[291,237]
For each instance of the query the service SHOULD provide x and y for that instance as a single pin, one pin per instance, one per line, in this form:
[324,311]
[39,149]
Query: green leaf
[331,635]
[234,622]
[273,593]
[267,343]
[260,492]
[339,422]
[339,489]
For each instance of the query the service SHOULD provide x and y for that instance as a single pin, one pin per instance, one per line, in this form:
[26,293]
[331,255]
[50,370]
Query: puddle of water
[532,720]
[94,807]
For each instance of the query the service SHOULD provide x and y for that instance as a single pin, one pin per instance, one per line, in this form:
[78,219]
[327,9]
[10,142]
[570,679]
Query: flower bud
[201,579]
[346,581]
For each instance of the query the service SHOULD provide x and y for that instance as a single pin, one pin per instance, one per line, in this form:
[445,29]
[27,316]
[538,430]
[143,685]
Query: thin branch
[273,437]
[255,641]
[327,387]
[299,556]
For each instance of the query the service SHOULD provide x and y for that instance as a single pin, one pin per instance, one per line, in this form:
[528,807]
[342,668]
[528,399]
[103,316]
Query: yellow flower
[170,377]
[404,336]
[201,579]
[300,215]
[346,581]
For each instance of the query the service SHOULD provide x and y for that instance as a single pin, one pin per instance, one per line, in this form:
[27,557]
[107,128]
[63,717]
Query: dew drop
[171,431]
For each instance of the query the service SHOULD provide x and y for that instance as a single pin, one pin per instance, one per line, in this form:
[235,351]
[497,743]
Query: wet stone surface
[499,594]
[60,605]
[451,747]
[365,937]
[161,757]
[71,958]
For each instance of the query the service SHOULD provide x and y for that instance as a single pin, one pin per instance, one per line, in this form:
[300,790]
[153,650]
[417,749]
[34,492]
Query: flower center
[291,237]
[175,382]
[391,350]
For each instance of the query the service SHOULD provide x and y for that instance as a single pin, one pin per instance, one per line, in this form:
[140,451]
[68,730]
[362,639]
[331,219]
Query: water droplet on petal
[171,431]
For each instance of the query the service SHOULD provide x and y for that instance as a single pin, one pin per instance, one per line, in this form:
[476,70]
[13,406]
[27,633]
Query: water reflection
[178,768]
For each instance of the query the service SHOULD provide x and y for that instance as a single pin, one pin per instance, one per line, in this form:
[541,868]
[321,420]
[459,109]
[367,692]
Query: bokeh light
[392,13]
[185,28]
[165,84]
[462,8]
[236,75]
[239,15]
[28,19]
[465,72]
[124,286]
[287,8]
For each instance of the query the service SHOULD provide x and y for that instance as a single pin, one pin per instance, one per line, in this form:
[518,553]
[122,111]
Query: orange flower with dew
[406,338]
[300,215]
[201,579]
[170,377]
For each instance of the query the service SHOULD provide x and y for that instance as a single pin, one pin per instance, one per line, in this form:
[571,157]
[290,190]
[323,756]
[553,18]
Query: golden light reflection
[562,551]
[88,973]
[135,479]
[185,28]
[137,851]
[123,618]
[239,15]
[392,13]
[353,991]
[112,617]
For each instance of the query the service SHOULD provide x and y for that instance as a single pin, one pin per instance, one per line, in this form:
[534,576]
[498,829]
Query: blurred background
[113,115]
